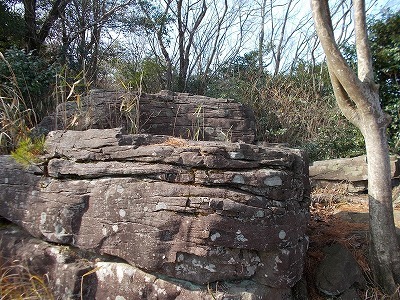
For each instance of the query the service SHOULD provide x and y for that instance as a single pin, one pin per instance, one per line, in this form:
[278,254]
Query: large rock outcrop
[351,172]
[190,213]
[175,114]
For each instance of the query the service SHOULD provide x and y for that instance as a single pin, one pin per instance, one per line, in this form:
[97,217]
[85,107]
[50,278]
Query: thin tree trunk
[30,25]
[261,38]
[384,251]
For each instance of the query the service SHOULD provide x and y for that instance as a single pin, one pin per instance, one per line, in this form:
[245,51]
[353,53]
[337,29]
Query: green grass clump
[29,151]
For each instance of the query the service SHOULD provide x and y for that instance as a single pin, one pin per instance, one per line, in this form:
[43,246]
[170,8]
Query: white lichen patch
[60,258]
[240,237]
[120,189]
[285,252]
[115,227]
[59,230]
[161,206]
[160,291]
[34,193]
[282,234]
[180,258]
[124,270]
[238,179]
[196,263]
[278,260]
[259,214]
[122,213]
[107,270]
[214,236]
[273,181]
[236,155]
[210,268]
[251,269]
[43,217]
[104,231]
[120,298]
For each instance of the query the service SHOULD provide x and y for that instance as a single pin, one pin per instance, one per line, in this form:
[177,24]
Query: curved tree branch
[336,63]
[364,60]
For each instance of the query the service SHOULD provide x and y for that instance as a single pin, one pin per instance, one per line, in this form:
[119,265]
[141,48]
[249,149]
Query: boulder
[201,212]
[168,113]
[352,172]
[338,273]
[74,274]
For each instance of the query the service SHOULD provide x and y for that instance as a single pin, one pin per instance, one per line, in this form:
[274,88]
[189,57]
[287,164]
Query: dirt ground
[340,217]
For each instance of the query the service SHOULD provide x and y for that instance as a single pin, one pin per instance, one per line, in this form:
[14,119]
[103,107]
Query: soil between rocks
[337,217]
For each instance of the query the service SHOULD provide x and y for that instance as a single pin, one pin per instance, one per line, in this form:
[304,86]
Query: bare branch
[336,63]
[364,60]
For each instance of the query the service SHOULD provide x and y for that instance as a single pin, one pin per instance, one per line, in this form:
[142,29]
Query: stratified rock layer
[200,212]
[176,114]
[351,172]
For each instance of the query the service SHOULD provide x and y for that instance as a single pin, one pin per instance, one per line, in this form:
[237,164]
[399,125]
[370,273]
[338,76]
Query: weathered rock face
[66,268]
[175,114]
[339,274]
[350,171]
[195,211]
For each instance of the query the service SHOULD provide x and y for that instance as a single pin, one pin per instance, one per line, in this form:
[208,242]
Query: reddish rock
[201,212]
[167,113]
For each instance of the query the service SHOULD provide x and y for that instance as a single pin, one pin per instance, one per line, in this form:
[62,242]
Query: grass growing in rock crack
[17,283]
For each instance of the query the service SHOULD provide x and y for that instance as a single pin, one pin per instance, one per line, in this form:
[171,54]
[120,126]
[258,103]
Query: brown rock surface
[351,172]
[175,114]
[65,268]
[196,211]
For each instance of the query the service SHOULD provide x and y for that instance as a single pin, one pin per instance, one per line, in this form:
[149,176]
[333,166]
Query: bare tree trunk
[261,38]
[35,37]
[384,253]
[185,45]
[358,98]
[30,24]
[159,34]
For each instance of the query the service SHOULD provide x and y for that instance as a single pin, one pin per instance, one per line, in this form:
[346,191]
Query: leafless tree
[196,36]
[35,35]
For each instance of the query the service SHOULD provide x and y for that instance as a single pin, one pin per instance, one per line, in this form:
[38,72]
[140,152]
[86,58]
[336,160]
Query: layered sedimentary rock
[192,212]
[168,113]
[351,172]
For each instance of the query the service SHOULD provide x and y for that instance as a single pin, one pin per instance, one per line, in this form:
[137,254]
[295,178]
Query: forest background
[261,53]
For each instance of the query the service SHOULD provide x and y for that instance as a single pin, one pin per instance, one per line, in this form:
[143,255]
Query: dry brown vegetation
[18,283]
[338,217]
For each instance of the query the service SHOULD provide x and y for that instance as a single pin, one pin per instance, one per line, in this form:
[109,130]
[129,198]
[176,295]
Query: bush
[298,109]
[31,77]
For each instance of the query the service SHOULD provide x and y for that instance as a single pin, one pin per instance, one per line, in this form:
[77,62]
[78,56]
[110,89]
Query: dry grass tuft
[176,142]
[17,283]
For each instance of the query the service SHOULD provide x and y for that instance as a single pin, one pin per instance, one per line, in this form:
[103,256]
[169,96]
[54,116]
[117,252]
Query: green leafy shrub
[31,76]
